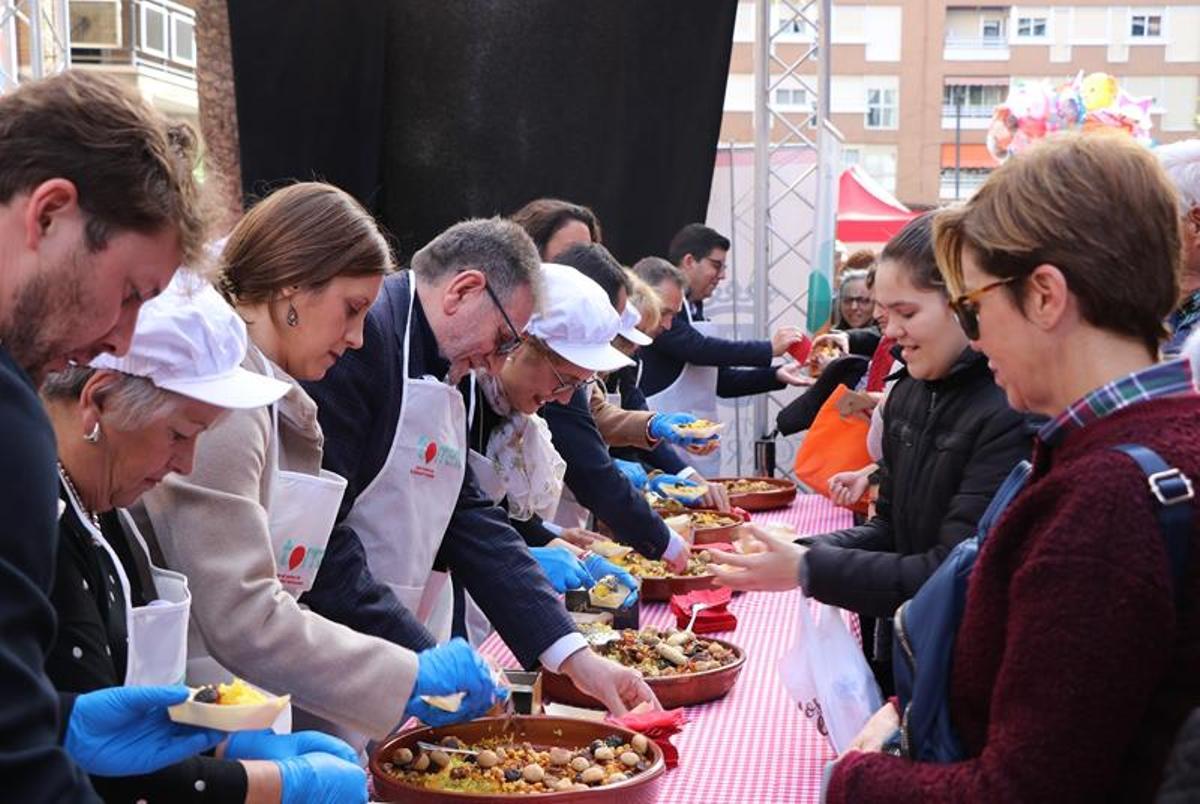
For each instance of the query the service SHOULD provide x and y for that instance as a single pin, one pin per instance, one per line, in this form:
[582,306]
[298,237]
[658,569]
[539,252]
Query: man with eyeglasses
[687,367]
[395,427]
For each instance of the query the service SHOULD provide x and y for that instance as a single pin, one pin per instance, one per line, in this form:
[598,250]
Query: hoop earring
[94,436]
[292,318]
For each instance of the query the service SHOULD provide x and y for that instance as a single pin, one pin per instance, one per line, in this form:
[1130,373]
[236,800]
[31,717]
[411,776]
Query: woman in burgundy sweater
[1075,661]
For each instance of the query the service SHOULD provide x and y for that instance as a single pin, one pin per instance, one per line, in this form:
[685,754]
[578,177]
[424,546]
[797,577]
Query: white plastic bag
[827,674]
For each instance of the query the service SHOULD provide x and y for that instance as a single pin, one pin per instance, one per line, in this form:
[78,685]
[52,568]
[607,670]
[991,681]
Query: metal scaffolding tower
[35,40]
[786,245]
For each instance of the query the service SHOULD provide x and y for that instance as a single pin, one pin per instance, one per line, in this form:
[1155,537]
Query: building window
[850,157]
[880,165]
[881,108]
[154,30]
[96,23]
[992,29]
[1031,27]
[183,39]
[792,96]
[1145,26]
[977,100]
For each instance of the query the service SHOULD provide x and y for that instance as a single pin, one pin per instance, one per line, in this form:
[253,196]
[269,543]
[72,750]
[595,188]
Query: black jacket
[596,481]
[89,654]
[682,343]
[947,446]
[33,765]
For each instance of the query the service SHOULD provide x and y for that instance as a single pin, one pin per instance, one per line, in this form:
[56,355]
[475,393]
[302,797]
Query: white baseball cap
[629,321]
[577,321]
[190,341]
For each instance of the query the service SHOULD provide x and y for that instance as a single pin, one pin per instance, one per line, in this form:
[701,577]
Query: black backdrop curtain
[430,112]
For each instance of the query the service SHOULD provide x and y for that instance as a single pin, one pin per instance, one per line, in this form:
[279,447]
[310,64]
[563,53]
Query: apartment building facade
[150,44]
[914,82]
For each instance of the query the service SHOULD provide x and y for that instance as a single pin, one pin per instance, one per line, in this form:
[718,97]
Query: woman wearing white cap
[565,345]
[250,524]
[121,426]
[560,228]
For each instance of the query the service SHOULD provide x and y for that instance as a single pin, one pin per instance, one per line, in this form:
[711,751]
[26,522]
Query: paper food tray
[236,717]
[707,431]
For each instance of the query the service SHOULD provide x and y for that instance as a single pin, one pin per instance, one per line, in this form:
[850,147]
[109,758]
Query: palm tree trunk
[218,111]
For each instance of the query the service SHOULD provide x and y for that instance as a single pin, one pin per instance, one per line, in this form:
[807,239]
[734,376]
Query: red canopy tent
[867,213]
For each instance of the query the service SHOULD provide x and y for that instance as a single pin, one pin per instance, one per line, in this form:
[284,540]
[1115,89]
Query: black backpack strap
[1173,494]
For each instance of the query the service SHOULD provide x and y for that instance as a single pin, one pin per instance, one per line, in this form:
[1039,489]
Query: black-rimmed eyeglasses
[564,384]
[512,344]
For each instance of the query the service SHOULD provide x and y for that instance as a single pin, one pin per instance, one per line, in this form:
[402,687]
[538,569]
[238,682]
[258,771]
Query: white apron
[571,513]
[487,475]
[491,483]
[157,632]
[615,398]
[694,391]
[401,517]
[300,517]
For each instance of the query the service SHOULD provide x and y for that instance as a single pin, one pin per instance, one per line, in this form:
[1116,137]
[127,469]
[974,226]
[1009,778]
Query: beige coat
[212,526]
[619,427]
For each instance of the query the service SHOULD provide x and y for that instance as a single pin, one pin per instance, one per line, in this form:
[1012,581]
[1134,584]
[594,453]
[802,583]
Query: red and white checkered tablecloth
[753,745]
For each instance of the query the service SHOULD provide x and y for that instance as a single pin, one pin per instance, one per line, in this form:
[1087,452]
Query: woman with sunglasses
[1077,653]
[512,453]
[949,441]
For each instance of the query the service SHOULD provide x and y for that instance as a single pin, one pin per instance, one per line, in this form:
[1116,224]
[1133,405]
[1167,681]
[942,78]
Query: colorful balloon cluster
[1036,108]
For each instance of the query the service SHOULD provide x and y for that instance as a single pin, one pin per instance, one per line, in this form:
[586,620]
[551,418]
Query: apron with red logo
[401,517]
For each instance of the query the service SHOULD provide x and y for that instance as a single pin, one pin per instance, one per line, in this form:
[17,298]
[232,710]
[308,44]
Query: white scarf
[523,454]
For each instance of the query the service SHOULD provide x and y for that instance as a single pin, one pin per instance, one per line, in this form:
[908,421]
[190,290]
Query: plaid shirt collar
[1159,381]
[1181,322]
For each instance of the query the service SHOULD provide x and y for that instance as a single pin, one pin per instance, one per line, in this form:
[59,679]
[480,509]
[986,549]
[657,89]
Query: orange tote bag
[833,444]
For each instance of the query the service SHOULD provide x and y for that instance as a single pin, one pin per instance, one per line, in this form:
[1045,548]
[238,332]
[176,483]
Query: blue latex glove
[266,744]
[562,568]
[449,668]
[598,567]
[633,471]
[125,731]
[319,778]
[658,481]
[663,425]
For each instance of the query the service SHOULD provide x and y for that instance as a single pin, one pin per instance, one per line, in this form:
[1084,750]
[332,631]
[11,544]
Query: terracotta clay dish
[539,758]
[710,526]
[759,493]
[658,583]
[678,685]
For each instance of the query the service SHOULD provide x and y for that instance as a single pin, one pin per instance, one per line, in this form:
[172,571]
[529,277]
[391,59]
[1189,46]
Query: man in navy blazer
[359,402]
[744,367]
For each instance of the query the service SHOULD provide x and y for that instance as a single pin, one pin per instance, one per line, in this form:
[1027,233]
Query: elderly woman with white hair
[1181,160]
[121,426]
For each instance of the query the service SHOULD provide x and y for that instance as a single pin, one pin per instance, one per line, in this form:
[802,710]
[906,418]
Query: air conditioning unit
[96,24]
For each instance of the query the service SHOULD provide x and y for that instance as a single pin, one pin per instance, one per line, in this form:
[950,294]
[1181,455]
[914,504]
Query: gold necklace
[75,496]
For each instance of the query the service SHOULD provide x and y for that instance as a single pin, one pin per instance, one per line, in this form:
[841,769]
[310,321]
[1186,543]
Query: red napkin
[708,621]
[659,727]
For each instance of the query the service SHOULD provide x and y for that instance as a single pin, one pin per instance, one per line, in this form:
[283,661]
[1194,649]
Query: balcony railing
[976,42]
[968,183]
[968,112]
